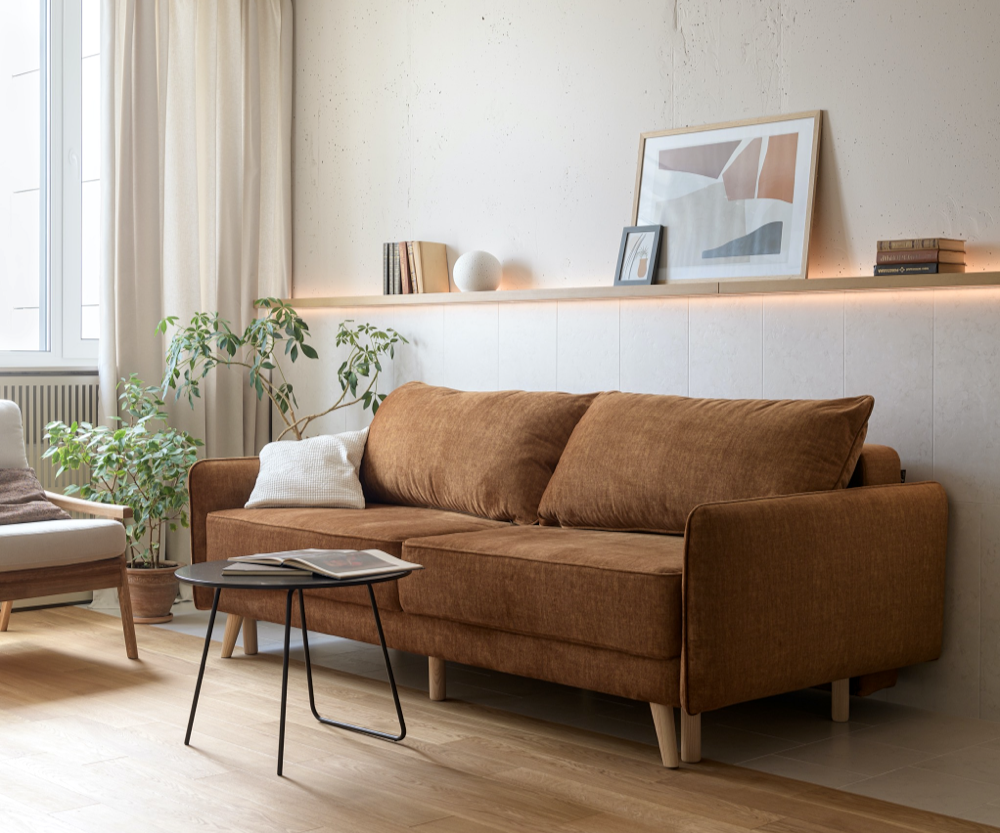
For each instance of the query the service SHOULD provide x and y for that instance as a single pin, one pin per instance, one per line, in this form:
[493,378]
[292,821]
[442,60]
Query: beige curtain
[196,211]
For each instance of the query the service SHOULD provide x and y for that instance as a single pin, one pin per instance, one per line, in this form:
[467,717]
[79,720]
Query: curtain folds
[196,203]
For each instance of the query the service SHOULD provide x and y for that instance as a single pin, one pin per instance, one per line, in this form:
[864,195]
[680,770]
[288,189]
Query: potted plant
[141,463]
[208,341]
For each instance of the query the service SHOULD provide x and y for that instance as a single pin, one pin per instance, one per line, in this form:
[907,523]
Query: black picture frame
[626,259]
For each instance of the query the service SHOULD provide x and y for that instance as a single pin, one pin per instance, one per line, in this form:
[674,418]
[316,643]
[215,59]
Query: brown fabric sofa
[688,553]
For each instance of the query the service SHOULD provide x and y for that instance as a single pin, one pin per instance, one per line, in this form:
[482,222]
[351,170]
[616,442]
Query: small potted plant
[141,463]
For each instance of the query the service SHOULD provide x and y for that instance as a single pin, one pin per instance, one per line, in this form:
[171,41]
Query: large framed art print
[735,199]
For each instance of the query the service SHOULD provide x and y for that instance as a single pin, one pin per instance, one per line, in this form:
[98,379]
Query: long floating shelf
[700,288]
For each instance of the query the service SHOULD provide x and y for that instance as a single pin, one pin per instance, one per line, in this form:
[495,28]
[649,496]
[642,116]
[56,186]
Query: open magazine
[339,564]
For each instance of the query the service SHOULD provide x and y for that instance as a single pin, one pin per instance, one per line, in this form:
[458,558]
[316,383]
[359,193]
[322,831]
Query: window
[50,182]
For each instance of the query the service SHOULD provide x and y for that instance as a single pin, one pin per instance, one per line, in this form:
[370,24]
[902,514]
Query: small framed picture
[638,255]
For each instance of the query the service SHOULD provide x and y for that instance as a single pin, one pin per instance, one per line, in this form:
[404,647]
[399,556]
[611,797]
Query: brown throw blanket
[23,501]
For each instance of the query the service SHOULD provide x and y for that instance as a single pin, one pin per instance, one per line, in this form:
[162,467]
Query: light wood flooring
[92,741]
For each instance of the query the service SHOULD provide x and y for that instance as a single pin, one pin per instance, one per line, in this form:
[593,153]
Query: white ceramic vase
[477,272]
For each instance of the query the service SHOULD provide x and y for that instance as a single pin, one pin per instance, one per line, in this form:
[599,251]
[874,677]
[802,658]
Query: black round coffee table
[209,574]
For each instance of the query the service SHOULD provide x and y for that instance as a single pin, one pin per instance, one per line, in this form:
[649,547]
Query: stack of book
[414,266]
[920,256]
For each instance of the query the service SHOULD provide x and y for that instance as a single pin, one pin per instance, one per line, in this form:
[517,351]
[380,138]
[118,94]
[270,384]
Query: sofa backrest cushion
[485,454]
[642,463]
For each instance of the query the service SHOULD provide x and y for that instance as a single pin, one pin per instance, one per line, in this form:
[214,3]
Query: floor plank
[94,742]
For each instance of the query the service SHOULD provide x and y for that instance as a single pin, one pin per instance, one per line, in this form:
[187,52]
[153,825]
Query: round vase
[153,592]
[477,272]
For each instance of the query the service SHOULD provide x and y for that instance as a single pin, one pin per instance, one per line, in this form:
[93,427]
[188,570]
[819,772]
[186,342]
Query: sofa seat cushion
[489,454]
[31,546]
[605,589]
[248,531]
[640,462]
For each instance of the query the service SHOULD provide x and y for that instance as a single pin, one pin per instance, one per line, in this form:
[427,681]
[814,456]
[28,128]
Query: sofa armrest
[878,465]
[789,592]
[89,507]
[214,485]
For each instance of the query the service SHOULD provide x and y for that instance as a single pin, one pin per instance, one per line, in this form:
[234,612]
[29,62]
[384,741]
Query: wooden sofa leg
[666,734]
[5,609]
[690,737]
[233,623]
[125,608]
[840,704]
[436,681]
[249,637]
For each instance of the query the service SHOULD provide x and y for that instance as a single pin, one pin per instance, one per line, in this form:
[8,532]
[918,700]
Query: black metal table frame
[284,674]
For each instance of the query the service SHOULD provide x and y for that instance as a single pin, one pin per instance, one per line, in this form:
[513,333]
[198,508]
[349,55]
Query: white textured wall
[513,126]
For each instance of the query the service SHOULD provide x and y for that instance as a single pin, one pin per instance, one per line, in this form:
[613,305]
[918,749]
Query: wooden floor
[91,741]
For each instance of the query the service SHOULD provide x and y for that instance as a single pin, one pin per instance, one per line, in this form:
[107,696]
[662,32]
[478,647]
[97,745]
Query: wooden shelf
[700,288]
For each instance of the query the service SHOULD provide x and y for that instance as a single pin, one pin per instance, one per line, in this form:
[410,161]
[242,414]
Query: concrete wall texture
[513,127]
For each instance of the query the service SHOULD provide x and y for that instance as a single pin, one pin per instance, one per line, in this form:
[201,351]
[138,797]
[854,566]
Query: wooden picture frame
[736,198]
[638,255]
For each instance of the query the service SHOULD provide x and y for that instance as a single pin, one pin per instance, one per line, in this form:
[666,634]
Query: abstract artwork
[735,199]
[638,255]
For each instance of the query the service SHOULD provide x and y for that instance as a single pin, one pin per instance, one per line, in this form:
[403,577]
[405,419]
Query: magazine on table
[338,564]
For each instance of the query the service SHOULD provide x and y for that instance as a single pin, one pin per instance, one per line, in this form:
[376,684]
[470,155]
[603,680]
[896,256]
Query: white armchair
[64,556]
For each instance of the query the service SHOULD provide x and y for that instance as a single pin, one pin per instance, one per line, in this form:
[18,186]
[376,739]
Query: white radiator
[43,398]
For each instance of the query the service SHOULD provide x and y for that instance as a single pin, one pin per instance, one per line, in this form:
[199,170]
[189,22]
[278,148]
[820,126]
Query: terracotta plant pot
[153,592]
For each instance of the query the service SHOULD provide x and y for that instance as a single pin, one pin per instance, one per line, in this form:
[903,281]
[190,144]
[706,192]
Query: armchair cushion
[57,543]
[12,454]
[22,499]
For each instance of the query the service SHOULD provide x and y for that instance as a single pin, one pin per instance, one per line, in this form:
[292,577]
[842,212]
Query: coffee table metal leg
[284,680]
[204,658]
[388,667]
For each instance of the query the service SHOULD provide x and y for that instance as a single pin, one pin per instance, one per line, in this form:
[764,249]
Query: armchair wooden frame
[71,578]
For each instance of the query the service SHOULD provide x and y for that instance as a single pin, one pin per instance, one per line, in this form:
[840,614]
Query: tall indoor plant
[141,463]
[208,341]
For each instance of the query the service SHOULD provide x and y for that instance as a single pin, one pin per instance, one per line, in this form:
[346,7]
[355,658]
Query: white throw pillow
[11,437]
[319,471]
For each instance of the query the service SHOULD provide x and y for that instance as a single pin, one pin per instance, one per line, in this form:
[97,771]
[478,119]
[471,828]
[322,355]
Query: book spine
[397,284]
[921,243]
[908,269]
[919,256]
[418,266]
[385,268]
[404,269]
[414,284]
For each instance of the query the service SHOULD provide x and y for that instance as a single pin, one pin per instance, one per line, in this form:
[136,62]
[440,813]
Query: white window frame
[60,298]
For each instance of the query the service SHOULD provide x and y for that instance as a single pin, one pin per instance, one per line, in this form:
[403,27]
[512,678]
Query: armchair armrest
[90,507]
[789,592]
[213,485]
